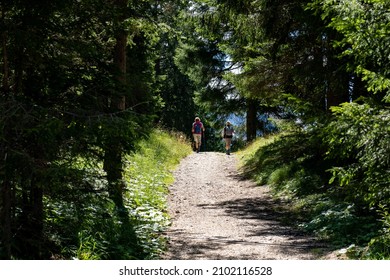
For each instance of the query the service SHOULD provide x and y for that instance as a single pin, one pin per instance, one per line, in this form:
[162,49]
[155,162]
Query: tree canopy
[84,82]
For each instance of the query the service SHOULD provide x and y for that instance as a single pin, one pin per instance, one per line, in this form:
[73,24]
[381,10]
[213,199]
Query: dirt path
[218,215]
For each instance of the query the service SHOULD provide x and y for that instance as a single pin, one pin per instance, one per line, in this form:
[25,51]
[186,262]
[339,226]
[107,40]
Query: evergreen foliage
[72,97]
[320,55]
[84,83]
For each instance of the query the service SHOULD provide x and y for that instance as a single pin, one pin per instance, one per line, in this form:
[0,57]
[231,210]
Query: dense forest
[98,96]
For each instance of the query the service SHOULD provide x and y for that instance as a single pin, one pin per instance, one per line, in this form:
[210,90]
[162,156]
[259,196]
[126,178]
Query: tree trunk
[113,152]
[5,56]
[338,92]
[37,220]
[113,166]
[251,120]
[30,233]
[5,64]
[5,216]
[113,161]
[120,57]
[338,81]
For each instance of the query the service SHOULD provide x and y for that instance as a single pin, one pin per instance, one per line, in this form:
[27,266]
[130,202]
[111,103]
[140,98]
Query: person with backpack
[228,132]
[197,129]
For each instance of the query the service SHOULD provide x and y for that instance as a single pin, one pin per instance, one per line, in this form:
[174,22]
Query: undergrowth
[294,167]
[85,226]
[148,175]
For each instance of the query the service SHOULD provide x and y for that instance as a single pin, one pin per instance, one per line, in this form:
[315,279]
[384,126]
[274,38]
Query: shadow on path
[265,228]
[225,216]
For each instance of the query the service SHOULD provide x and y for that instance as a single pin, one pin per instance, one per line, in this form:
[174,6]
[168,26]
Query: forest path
[218,215]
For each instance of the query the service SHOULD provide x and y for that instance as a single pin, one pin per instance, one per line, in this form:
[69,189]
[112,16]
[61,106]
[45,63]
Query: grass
[148,174]
[82,223]
[294,169]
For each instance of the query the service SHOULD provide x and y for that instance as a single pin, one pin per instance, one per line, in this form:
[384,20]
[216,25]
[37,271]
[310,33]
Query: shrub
[81,221]
[358,141]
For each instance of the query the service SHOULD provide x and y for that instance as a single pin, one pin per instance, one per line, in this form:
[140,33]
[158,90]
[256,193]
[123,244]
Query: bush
[148,174]
[358,141]
[379,247]
[296,166]
[81,220]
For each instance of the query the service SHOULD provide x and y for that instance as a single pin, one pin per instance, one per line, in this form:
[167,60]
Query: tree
[25,119]
[65,96]
[201,59]
[364,38]
[117,103]
[358,139]
[286,51]
[176,89]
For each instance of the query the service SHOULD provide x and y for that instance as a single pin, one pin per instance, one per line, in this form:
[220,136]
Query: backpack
[228,131]
[197,128]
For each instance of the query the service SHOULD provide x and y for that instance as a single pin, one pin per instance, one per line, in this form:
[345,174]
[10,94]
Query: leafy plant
[379,247]
[358,142]
[295,167]
[341,225]
[148,174]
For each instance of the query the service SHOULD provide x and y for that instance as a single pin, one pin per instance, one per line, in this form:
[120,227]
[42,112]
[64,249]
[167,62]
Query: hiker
[197,129]
[228,133]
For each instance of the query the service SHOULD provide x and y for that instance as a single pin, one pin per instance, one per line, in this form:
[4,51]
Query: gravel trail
[218,215]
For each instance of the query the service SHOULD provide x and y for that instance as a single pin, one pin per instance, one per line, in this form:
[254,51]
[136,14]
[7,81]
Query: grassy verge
[296,171]
[81,220]
[148,175]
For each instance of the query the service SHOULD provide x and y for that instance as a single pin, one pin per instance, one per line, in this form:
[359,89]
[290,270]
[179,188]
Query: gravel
[218,215]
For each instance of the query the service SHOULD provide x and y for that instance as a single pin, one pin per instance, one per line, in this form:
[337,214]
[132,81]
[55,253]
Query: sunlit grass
[295,171]
[148,174]
[87,226]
